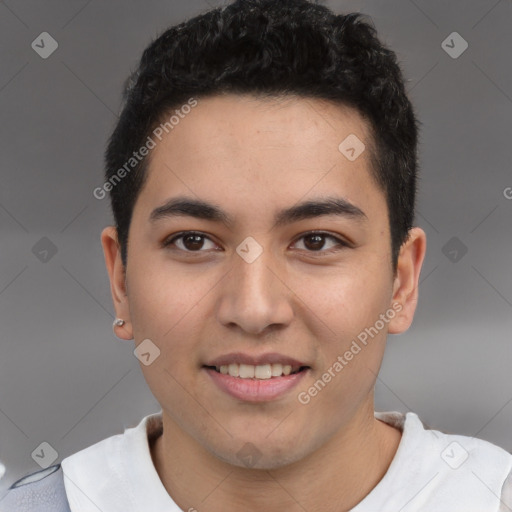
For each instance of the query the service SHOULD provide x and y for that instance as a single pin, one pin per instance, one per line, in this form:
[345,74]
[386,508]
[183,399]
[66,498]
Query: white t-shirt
[431,472]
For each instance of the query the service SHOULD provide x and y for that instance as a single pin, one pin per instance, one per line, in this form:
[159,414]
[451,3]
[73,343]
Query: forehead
[253,153]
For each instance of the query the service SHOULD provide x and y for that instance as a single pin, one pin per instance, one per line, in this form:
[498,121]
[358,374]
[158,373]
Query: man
[263,180]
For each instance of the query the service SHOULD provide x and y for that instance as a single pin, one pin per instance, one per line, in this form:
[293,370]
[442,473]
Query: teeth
[262,371]
[246,371]
[233,370]
[277,370]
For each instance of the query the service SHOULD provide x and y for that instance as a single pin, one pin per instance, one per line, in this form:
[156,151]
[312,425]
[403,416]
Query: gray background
[66,380]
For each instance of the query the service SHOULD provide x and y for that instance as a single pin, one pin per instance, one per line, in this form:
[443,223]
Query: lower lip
[255,390]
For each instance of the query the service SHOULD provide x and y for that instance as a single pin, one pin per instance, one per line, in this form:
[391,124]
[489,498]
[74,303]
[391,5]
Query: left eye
[316,241]
[192,241]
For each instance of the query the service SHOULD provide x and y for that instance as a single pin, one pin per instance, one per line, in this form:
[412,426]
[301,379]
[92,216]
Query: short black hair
[270,48]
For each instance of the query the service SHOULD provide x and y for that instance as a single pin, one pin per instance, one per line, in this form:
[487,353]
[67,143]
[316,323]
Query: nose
[254,296]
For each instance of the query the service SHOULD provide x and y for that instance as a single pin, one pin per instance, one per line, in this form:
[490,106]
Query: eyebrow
[199,209]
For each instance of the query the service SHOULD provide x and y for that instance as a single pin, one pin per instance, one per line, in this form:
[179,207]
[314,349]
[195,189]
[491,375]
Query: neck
[334,478]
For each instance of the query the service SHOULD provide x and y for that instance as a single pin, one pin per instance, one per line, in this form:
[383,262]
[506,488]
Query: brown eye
[189,241]
[193,242]
[315,242]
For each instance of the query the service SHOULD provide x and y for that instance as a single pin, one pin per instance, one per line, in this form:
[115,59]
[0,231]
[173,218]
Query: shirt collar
[117,474]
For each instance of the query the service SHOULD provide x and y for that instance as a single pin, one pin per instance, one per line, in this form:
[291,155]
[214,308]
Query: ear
[117,275]
[405,287]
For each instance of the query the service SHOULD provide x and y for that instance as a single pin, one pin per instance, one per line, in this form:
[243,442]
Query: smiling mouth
[259,372]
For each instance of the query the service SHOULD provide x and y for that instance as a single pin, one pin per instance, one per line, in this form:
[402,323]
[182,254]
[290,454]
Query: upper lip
[254,360]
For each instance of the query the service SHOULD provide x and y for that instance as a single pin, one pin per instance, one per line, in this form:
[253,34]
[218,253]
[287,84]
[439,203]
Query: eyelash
[341,244]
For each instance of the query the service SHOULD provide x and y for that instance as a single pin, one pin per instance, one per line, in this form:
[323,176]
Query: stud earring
[119,322]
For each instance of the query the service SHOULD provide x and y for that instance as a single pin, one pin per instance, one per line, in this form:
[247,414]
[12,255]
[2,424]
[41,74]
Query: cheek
[165,311]
[162,310]
[349,299]
[350,305]
[161,296]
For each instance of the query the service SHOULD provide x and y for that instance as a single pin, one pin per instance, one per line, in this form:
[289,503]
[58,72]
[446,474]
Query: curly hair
[269,49]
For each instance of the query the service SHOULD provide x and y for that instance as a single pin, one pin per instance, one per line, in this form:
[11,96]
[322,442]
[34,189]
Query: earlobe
[117,275]
[405,287]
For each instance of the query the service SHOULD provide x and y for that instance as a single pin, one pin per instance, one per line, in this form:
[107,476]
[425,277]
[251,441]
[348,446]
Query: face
[259,280]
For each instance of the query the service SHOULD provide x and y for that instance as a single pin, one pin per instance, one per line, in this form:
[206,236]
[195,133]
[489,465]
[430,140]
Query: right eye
[187,241]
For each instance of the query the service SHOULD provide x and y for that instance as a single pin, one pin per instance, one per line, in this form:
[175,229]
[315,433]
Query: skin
[253,157]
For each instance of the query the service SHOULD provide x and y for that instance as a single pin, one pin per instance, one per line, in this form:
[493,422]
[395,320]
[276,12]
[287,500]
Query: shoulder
[444,470]
[506,495]
[467,465]
[452,451]
[41,491]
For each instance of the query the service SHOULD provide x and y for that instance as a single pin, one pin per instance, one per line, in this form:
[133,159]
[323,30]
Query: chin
[259,453]
[261,461]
